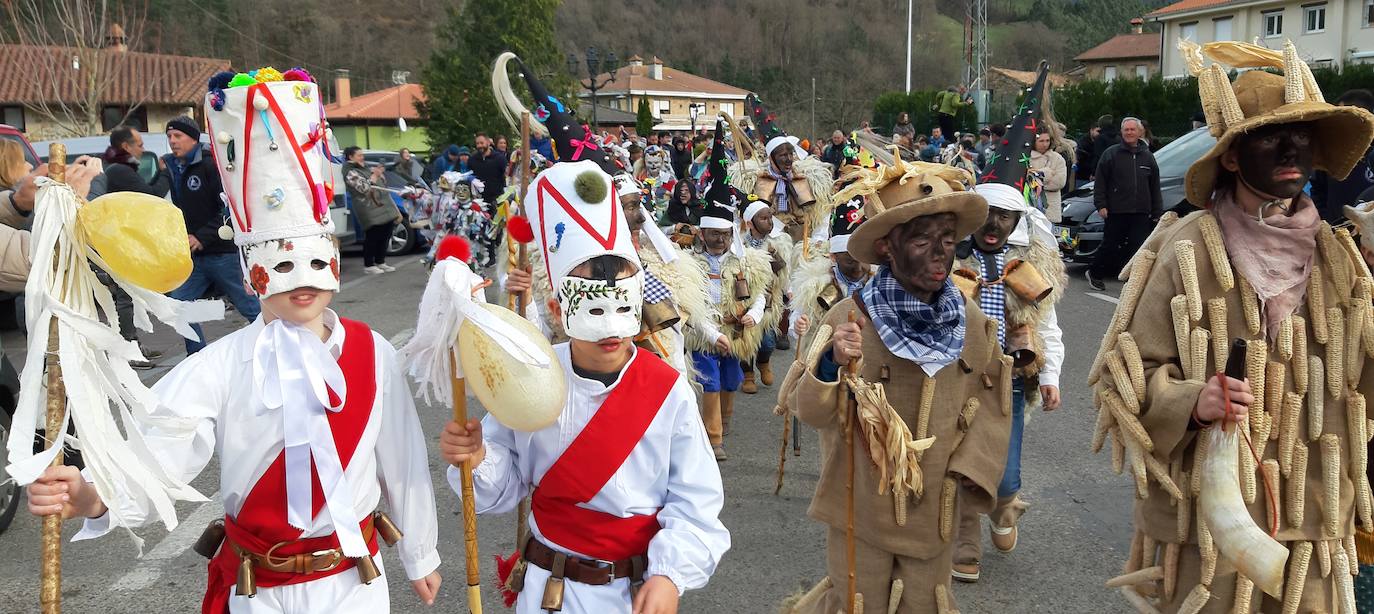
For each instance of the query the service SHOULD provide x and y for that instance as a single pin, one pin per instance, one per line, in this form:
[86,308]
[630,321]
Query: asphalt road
[1074,537]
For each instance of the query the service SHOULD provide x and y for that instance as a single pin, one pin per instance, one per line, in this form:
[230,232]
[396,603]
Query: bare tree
[76,55]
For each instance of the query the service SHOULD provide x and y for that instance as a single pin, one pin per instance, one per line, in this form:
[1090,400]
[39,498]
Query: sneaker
[141,365]
[1004,540]
[372,270]
[720,453]
[1093,281]
[965,572]
[386,267]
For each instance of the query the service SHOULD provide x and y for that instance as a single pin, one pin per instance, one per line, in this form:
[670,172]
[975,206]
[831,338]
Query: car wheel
[402,240]
[9,490]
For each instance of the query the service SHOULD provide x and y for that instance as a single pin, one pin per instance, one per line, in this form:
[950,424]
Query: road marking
[153,564]
[1105,297]
[403,262]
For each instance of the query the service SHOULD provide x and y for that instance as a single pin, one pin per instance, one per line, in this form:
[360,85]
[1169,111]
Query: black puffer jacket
[1128,181]
[196,191]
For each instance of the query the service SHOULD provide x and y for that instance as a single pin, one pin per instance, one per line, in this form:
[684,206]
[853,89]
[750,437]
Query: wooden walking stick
[522,300]
[851,412]
[50,591]
[460,415]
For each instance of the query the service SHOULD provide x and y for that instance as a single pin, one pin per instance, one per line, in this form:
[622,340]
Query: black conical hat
[572,140]
[718,192]
[765,121]
[1011,159]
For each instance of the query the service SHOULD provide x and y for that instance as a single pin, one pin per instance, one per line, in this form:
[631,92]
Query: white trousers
[340,593]
[578,598]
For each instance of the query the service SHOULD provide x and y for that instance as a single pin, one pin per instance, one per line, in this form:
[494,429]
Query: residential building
[672,95]
[1134,55]
[1330,33]
[384,119]
[64,92]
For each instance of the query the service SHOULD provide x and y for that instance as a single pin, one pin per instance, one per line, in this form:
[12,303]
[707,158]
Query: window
[1221,28]
[13,116]
[1368,13]
[1109,74]
[729,107]
[1273,24]
[1314,19]
[1142,71]
[1188,31]
[662,107]
[112,117]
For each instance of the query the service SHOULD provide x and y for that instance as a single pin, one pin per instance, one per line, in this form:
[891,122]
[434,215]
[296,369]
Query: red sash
[262,521]
[593,457]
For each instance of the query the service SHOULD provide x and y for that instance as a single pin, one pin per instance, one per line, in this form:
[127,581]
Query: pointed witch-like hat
[1010,161]
[572,140]
[765,122]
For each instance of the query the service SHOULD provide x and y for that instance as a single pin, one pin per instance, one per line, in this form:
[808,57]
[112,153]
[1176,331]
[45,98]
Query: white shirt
[672,471]
[214,388]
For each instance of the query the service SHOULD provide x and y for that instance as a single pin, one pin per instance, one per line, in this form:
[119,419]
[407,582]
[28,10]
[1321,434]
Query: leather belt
[304,563]
[586,571]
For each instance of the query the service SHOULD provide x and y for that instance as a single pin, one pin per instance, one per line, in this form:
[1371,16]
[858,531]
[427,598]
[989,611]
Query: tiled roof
[1124,46]
[1027,78]
[636,78]
[1189,5]
[133,77]
[390,103]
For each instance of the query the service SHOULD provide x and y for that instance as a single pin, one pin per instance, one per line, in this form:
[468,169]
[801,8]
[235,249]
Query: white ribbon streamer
[294,372]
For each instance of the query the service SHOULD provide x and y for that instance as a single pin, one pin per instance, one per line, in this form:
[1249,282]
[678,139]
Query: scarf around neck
[781,189]
[1274,254]
[928,334]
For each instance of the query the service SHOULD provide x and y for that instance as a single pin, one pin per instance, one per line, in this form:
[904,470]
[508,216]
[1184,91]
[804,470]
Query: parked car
[1080,232]
[406,236]
[11,133]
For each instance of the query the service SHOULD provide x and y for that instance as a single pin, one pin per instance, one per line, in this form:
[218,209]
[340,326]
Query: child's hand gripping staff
[523,386]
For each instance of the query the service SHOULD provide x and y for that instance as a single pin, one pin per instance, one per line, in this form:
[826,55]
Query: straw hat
[1259,98]
[904,191]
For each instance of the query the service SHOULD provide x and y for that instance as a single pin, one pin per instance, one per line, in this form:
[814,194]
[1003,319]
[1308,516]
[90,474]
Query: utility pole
[813,107]
[909,8]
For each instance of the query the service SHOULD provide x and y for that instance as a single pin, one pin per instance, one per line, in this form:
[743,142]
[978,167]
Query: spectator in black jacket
[122,159]
[1087,155]
[682,157]
[1127,197]
[834,152]
[1331,195]
[196,191]
[489,165]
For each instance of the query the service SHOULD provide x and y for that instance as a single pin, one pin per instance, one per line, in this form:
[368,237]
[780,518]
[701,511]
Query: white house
[1327,32]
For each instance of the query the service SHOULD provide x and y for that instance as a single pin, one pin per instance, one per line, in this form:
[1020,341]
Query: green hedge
[1167,105]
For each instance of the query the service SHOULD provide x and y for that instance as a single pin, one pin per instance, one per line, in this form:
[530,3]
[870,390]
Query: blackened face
[1277,159]
[992,236]
[634,213]
[717,240]
[783,157]
[920,253]
[851,268]
[763,222]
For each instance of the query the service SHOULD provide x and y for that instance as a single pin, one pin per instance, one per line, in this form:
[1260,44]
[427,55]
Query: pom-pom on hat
[455,247]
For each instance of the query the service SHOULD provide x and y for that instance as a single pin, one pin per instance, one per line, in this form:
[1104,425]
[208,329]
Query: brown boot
[749,386]
[766,373]
[727,409]
[1004,519]
[968,542]
[710,415]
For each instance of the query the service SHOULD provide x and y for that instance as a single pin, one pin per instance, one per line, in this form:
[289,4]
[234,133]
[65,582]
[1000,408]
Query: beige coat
[1056,177]
[976,451]
[14,246]
[1171,385]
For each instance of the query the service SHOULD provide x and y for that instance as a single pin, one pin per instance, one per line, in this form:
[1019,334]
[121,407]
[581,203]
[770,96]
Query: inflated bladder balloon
[523,397]
[142,238]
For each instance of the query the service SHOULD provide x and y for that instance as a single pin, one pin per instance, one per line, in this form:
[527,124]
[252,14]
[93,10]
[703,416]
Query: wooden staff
[522,261]
[50,591]
[460,415]
[851,413]
[782,454]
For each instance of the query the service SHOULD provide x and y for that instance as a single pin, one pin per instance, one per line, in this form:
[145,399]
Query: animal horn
[1362,214]
[1256,555]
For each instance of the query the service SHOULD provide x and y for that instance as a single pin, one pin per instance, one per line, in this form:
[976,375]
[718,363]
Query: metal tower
[976,53]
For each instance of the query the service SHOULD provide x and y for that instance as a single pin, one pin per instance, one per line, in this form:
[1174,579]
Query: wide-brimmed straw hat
[903,191]
[1259,98]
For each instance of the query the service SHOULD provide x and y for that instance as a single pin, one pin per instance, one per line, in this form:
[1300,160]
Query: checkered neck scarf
[655,291]
[992,298]
[931,335]
[850,287]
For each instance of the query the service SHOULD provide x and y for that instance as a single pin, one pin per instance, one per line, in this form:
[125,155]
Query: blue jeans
[223,272]
[717,372]
[1011,476]
[770,342]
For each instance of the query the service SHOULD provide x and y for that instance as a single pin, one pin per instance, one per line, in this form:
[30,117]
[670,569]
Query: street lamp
[595,65]
[695,109]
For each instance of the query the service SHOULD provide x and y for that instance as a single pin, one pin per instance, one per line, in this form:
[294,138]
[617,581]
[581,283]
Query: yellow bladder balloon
[142,238]
[523,397]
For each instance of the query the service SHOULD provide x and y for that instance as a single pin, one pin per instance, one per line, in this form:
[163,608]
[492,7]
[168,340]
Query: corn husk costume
[809,190]
[1280,533]
[918,428]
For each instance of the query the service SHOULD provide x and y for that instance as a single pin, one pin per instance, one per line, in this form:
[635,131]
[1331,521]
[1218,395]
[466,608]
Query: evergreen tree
[644,118]
[457,79]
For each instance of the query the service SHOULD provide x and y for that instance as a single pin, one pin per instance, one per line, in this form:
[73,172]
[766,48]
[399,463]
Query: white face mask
[263,261]
[594,310]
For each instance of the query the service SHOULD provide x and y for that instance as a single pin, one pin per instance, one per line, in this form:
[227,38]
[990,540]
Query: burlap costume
[903,536]
[1182,305]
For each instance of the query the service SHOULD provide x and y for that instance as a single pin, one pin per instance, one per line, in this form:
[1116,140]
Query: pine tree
[457,79]
[644,118]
